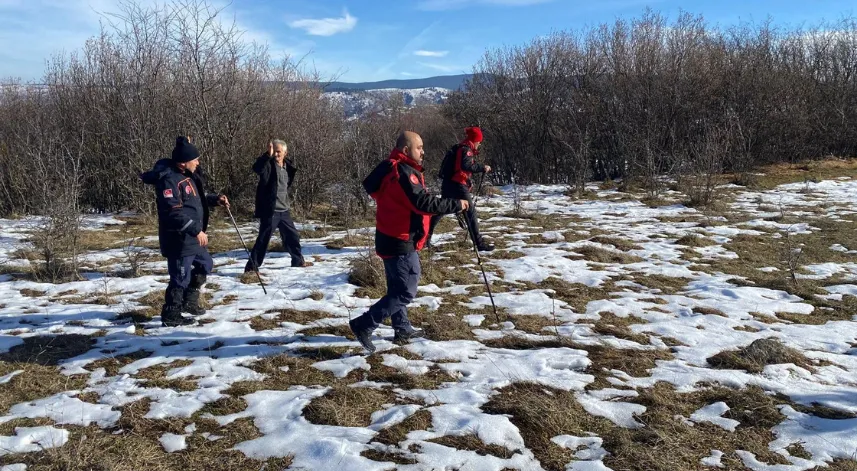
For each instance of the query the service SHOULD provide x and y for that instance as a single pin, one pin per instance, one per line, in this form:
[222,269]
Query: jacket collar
[470,145]
[400,156]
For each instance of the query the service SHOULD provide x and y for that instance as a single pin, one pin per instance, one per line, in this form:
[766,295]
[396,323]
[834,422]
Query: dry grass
[287,315]
[695,240]
[32,293]
[347,407]
[133,445]
[350,240]
[576,295]
[708,311]
[432,379]
[300,372]
[112,364]
[601,255]
[420,420]
[619,243]
[36,382]
[541,413]
[619,327]
[471,442]
[48,350]
[636,363]
[665,443]
[779,174]
[442,325]
[757,355]
[367,272]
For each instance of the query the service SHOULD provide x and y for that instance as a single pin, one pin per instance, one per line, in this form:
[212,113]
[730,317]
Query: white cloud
[326,26]
[424,53]
[436,5]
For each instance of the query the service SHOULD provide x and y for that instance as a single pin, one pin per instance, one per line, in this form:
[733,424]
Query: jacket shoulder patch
[414,179]
[470,153]
[168,193]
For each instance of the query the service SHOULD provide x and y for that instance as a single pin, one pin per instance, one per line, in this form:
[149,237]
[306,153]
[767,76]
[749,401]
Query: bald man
[404,210]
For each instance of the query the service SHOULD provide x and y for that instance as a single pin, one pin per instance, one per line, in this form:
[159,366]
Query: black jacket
[182,207]
[266,191]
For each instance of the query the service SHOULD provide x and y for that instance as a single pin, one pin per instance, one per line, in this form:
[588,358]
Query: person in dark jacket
[276,175]
[456,170]
[401,226]
[182,221]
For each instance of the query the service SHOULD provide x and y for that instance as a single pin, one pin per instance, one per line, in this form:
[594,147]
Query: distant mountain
[361,102]
[449,82]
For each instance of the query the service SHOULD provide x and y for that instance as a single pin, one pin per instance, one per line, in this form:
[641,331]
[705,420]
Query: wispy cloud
[326,26]
[440,5]
[424,53]
[442,67]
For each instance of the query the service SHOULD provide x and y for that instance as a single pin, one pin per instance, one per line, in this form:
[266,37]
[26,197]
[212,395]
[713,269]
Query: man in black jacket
[276,175]
[182,221]
[456,169]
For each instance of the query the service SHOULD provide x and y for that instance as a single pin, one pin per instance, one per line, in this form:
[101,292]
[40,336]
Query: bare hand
[270,148]
[464,204]
[487,168]
[203,239]
[223,201]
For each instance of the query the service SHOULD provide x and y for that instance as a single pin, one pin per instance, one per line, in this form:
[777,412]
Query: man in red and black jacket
[404,208]
[458,166]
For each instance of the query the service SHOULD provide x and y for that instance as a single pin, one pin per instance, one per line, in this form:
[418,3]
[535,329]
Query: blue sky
[372,40]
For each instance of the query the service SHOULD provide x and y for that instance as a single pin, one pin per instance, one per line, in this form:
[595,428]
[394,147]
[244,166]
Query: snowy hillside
[629,337]
[362,102]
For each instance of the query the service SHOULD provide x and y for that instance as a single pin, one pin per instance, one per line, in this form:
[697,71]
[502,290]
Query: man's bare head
[411,144]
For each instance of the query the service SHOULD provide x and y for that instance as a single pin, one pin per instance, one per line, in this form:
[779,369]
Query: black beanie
[184,151]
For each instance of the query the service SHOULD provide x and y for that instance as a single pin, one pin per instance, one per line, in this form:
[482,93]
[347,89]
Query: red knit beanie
[474,134]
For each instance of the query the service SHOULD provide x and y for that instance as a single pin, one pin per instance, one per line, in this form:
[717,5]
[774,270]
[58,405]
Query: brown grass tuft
[347,407]
[757,355]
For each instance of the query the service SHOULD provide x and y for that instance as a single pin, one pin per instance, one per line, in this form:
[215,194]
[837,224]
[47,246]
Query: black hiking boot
[363,336]
[191,302]
[171,313]
[484,246]
[402,336]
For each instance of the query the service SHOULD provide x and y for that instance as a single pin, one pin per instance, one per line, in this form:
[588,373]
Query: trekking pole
[255,268]
[475,197]
[479,261]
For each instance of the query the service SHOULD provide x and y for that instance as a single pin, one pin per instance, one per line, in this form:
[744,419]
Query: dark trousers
[186,273]
[469,215]
[281,220]
[403,275]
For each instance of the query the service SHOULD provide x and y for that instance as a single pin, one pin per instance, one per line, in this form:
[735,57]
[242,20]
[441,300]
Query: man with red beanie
[401,226]
[455,172]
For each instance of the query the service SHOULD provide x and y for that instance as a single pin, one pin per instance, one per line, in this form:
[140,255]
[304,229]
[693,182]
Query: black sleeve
[291,170]
[468,163]
[372,182]
[211,199]
[262,166]
[424,202]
